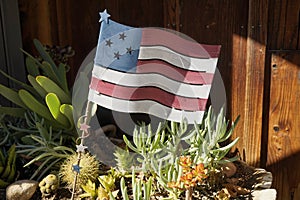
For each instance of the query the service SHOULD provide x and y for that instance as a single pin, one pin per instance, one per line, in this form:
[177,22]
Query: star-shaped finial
[81,148]
[76,168]
[122,36]
[104,16]
[117,55]
[84,127]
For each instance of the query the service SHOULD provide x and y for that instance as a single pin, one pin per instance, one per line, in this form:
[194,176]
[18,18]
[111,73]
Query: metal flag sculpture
[152,71]
[148,70]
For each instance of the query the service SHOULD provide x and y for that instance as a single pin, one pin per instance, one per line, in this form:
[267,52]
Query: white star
[104,16]
[81,148]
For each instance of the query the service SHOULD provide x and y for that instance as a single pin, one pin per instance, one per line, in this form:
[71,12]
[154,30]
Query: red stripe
[161,37]
[175,73]
[148,93]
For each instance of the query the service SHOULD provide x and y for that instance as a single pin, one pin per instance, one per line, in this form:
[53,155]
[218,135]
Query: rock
[229,169]
[266,194]
[21,190]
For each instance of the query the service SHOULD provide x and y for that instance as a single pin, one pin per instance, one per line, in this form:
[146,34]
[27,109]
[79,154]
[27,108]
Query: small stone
[266,194]
[21,190]
[229,169]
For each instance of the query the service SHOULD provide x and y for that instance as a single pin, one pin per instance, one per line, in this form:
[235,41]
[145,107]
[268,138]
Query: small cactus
[88,169]
[49,185]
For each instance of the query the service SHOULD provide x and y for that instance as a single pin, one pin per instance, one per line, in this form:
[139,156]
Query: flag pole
[80,148]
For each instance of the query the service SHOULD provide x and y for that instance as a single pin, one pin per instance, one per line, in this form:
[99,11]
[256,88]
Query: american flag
[153,71]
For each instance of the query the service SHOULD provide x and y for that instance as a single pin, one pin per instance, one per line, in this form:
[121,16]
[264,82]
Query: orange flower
[188,179]
[186,163]
[173,184]
[199,172]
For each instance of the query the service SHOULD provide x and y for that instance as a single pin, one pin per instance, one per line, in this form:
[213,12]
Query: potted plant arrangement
[171,161]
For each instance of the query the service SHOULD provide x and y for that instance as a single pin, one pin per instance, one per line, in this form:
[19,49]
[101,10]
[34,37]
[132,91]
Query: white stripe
[145,106]
[163,53]
[157,80]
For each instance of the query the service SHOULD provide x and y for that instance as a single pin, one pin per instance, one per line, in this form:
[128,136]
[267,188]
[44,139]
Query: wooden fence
[259,61]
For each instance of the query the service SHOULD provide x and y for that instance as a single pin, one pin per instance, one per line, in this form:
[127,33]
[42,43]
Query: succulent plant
[88,169]
[48,95]
[140,189]
[205,145]
[49,184]
[43,144]
[146,145]
[124,159]
[7,166]
[46,132]
[162,154]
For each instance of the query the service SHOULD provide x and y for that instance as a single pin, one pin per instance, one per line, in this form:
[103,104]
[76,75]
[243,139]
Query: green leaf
[40,48]
[15,112]
[123,189]
[67,110]
[12,96]
[23,85]
[227,147]
[34,105]
[43,131]
[37,86]
[129,144]
[49,72]
[63,77]
[32,66]
[51,87]
[54,105]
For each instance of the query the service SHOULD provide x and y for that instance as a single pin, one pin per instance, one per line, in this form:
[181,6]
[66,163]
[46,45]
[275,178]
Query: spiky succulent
[88,169]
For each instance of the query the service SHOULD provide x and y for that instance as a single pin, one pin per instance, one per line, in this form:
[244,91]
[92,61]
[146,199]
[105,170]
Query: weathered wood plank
[146,13]
[284,124]
[255,77]
[284,24]
[241,61]
[38,20]
[172,14]
[224,24]
[78,25]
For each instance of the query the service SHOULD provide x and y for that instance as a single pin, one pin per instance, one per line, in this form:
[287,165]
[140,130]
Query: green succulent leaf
[33,104]
[11,95]
[40,48]
[39,89]
[15,112]
[32,66]
[23,85]
[54,105]
[67,110]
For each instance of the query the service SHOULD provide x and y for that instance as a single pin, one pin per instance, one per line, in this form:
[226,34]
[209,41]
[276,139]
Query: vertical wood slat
[284,25]
[137,13]
[254,89]
[172,14]
[78,26]
[284,124]
[225,24]
[38,20]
